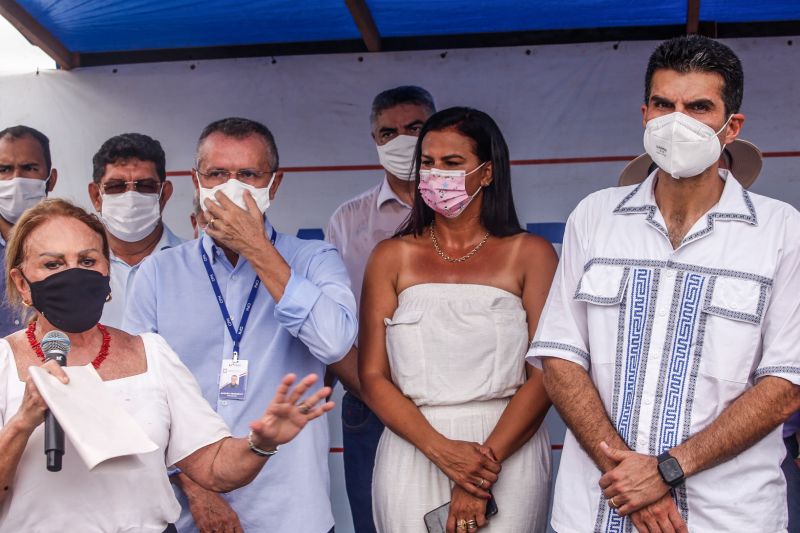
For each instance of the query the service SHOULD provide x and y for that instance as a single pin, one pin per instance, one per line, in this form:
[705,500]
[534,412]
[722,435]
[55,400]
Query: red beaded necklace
[101,355]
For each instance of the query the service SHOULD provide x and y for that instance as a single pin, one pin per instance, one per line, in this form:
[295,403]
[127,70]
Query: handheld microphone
[55,345]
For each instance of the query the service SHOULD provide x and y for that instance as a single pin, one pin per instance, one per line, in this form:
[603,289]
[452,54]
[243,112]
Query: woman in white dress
[448,308]
[57,263]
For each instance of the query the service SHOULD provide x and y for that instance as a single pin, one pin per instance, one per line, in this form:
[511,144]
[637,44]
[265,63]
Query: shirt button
[647,401]
[642,443]
[224,402]
[16,322]
[670,274]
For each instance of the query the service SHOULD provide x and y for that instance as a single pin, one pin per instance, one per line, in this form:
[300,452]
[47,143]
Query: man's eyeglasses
[144,186]
[221,175]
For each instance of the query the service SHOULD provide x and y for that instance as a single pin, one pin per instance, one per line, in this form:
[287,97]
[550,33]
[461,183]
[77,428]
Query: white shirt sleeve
[781,329]
[562,331]
[332,232]
[193,423]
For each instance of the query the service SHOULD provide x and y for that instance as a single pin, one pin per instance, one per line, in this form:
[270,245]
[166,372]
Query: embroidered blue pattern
[640,295]
[679,363]
[561,346]
[637,343]
[770,370]
[697,269]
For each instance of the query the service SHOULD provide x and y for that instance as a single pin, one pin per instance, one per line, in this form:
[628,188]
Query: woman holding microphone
[58,264]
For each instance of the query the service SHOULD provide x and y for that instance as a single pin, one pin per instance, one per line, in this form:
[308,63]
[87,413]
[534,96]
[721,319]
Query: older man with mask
[355,228]
[669,338]
[26,176]
[245,299]
[130,190]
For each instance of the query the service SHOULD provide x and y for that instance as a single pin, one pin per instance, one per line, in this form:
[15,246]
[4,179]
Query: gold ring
[482,483]
[304,408]
[462,524]
[612,503]
[210,222]
[472,524]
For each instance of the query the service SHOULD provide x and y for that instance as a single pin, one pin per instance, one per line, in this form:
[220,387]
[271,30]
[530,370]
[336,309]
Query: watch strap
[663,458]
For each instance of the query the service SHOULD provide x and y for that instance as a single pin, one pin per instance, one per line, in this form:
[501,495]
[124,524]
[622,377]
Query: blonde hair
[32,219]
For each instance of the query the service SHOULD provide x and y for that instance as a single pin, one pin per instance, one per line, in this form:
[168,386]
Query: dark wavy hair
[121,148]
[696,53]
[498,214]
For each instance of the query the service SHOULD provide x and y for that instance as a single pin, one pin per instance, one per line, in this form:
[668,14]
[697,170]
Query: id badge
[233,379]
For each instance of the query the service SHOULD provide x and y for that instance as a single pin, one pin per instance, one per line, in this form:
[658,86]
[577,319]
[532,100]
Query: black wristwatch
[670,470]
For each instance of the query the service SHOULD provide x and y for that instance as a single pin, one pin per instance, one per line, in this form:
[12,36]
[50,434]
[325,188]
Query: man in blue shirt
[246,299]
[129,190]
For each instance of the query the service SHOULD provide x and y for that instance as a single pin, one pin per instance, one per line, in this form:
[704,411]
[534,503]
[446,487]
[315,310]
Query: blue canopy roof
[106,31]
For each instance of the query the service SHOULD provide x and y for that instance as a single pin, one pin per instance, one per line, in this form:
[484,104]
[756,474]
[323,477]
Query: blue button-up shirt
[122,275]
[313,325]
[10,318]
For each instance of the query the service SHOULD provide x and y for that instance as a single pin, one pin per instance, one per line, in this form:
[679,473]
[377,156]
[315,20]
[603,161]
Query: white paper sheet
[94,420]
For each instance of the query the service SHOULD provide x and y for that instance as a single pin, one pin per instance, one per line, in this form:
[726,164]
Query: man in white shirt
[669,338]
[130,190]
[355,228]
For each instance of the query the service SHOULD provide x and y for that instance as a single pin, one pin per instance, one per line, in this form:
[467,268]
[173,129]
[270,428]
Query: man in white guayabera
[669,338]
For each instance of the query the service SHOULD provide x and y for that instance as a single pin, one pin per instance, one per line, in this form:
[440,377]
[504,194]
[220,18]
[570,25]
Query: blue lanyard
[236,334]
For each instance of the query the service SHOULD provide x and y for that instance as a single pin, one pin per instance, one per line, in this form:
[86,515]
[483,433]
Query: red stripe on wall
[517,162]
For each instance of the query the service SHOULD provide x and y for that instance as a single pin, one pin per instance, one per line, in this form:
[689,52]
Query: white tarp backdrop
[552,102]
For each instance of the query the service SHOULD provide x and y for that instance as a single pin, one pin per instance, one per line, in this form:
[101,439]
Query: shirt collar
[734,205]
[167,240]
[214,252]
[386,194]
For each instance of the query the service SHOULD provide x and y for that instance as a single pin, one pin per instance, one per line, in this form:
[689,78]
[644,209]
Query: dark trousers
[361,431]
[792,473]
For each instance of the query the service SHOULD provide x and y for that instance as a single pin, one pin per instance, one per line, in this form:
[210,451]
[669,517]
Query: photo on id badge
[233,379]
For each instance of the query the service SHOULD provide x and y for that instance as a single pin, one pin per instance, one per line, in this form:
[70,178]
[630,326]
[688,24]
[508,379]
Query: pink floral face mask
[445,191]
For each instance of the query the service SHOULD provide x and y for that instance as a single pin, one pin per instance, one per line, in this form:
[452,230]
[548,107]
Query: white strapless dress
[458,352]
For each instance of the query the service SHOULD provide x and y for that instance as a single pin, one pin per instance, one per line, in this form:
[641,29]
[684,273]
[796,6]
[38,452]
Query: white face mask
[130,216]
[234,190]
[19,194]
[397,156]
[682,146]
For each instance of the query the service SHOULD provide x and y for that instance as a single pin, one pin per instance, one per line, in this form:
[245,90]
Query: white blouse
[167,403]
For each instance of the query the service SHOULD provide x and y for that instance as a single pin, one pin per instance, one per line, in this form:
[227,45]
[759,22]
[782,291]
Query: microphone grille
[55,340]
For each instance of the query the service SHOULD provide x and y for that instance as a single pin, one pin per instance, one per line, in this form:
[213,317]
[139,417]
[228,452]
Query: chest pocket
[734,309]
[603,284]
[603,288]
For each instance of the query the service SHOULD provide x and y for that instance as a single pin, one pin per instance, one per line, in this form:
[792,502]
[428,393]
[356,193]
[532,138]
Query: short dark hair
[498,214]
[240,128]
[17,132]
[121,148]
[406,94]
[696,53]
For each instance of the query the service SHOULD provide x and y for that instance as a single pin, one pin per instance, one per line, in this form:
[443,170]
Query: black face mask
[72,300]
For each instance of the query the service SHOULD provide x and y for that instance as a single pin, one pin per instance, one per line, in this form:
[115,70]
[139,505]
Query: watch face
[671,470]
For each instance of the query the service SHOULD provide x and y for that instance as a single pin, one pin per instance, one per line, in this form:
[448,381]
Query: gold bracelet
[258,451]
